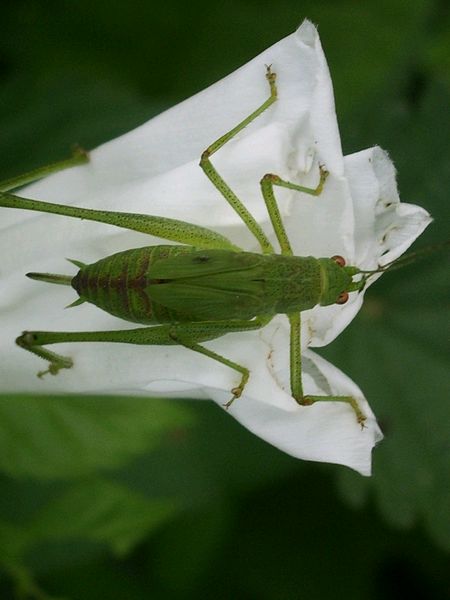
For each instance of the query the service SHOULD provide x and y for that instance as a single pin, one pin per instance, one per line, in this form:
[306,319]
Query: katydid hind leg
[79,157]
[162,227]
[188,335]
[28,341]
[165,228]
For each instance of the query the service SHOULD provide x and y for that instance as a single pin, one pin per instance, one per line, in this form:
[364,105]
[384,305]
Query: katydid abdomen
[120,283]
[181,284]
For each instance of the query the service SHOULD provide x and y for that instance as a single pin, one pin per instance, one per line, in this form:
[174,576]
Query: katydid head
[337,278]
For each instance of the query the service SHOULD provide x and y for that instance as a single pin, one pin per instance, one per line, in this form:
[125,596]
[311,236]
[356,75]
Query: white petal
[384,228]
[154,169]
[325,431]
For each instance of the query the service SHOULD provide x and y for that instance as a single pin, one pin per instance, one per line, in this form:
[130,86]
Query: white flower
[154,169]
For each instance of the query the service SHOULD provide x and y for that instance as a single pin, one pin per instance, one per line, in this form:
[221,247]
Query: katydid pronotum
[202,288]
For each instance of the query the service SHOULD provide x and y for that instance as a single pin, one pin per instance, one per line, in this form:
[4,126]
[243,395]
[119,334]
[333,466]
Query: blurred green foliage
[122,498]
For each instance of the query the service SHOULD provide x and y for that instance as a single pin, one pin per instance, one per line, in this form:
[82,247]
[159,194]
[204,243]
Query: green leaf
[296,540]
[13,541]
[203,531]
[66,436]
[398,354]
[43,119]
[101,511]
[199,464]
[384,33]
[398,349]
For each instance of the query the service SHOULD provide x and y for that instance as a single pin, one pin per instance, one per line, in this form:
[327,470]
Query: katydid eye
[339,260]
[342,298]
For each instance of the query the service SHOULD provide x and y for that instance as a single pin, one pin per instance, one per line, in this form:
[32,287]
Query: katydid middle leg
[188,335]
[219,182]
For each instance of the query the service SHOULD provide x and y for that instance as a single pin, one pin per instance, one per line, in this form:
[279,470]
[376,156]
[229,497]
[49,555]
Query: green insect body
[201,290]
[148,285]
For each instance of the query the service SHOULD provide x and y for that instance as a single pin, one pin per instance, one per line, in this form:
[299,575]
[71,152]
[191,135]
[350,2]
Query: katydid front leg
[296,375]
[267,184]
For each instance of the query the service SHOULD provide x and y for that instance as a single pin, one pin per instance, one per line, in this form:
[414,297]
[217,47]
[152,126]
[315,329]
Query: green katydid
[202,288]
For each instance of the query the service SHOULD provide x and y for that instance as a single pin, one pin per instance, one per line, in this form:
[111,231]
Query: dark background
[130,499]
